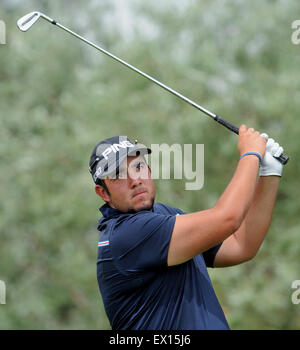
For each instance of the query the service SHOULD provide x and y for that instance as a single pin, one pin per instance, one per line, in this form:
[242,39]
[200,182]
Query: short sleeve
[141,241]
[209,255]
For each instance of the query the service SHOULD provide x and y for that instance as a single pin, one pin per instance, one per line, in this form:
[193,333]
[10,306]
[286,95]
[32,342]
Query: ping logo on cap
[115,148]
[97,173]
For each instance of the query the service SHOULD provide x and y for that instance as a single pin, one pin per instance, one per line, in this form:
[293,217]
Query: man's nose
[134,178]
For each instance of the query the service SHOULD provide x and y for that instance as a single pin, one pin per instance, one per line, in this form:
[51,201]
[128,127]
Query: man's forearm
[255,226]
[239,194]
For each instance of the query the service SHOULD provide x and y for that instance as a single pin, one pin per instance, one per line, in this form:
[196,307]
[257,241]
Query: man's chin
[144,205]
[141,204]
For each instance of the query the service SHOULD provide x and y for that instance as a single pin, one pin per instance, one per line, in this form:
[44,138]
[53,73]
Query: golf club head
[25,22]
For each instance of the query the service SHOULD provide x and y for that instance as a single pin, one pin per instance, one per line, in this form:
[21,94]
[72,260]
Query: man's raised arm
[194,233]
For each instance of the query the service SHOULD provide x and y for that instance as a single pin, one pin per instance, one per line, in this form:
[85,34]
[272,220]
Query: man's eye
[140,166]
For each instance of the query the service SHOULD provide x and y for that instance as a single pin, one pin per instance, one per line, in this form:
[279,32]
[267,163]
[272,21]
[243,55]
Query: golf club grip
[227,124]
[283,159]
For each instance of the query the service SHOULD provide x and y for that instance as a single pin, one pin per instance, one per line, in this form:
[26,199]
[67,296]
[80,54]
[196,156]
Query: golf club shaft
[212,115]
[282,158]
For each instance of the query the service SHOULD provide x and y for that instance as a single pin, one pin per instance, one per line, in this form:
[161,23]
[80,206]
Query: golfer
[153,258]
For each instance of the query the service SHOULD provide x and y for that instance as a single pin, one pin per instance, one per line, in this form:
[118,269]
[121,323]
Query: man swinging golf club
[153,258]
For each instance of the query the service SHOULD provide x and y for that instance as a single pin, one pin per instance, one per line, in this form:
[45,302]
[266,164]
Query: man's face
[132,188]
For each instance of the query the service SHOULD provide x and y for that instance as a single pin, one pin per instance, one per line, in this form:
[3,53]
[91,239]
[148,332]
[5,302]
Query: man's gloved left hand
[270,165]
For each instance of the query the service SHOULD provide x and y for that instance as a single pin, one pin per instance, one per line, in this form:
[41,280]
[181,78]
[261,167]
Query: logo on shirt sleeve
[103,243]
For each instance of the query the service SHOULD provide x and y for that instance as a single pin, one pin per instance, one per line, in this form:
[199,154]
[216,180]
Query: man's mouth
[139,193]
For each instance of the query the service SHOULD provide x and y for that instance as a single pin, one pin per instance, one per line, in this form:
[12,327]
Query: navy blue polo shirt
[138,288]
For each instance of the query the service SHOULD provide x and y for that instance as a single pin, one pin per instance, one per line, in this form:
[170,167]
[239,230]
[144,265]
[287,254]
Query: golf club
[27,21]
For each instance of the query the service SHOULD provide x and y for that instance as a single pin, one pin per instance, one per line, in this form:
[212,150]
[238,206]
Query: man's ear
[100,190]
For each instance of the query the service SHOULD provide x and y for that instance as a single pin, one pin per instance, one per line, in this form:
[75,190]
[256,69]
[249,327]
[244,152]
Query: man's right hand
[251,141]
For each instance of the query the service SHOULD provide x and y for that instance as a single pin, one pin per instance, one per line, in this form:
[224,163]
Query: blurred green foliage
[59,97]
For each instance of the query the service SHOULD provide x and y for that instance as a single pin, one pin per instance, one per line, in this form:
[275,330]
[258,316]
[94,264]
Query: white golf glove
[270,165]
